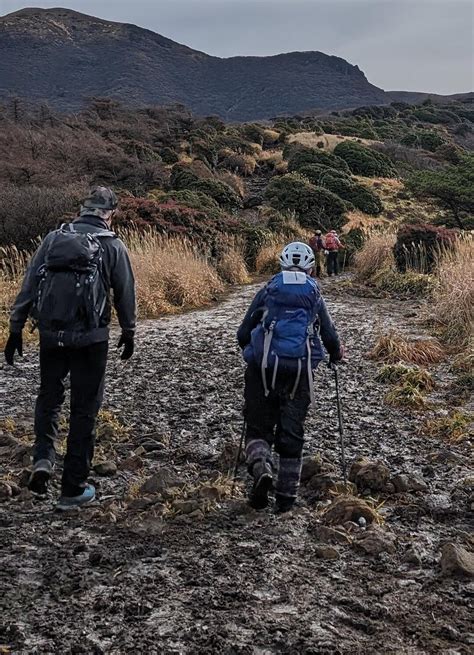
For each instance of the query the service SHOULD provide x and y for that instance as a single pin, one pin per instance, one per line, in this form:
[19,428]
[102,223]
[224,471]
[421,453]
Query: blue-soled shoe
[71,502]
[38,482]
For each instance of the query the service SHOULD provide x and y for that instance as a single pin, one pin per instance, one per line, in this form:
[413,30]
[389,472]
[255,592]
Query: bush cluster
[418,246]
[364,161]
[316,207]
[305,156]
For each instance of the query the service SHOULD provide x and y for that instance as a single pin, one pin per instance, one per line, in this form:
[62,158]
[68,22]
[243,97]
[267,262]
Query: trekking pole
[239,453]
[341,425]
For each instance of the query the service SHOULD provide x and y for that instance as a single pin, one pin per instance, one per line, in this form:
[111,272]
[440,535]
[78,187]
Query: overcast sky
[410,45]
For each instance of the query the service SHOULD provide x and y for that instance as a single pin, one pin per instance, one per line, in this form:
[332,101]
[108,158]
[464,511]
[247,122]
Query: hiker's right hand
[14,344]
[335,358]
[128,343]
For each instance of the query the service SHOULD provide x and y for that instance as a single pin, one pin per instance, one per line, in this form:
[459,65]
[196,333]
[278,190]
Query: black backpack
[71,293]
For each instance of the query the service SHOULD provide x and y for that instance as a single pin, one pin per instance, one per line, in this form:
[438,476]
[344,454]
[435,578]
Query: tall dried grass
[267,260]
[13,263]
[394,347]
[452,302]
[375,255]
[230,264]
[170,273]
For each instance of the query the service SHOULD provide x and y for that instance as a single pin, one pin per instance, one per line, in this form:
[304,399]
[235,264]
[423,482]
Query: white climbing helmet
[297,255]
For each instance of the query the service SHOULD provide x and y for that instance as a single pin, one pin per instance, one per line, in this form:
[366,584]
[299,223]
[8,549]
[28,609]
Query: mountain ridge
[67,49]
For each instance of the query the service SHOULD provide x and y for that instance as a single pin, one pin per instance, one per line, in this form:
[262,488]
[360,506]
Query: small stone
[159,482]
[439,503]
[152,446]
[412,556]
[324,551]
[322,482]
[327,534]
[408,482]
[376,541]
[132,463]
[106,469]
[5,491]
[456,560]
[311,466]
[138,504]
[367,474]
[362,522]
[139,451]
[186,506]
[212,493]
[197,515]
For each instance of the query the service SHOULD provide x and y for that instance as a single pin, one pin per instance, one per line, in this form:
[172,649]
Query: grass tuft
[401,373]
[454,428]
[392,348]
[405,395]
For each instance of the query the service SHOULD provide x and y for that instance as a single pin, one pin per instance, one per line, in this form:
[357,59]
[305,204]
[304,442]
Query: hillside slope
[66,51]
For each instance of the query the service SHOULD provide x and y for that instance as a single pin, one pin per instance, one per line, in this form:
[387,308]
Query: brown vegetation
[393,347]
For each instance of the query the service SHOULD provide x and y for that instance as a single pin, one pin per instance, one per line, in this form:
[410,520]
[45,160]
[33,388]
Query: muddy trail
[166,562]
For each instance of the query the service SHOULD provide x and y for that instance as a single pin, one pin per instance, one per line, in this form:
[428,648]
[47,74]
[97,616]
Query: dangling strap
[297,381]
[275,369]
[267,342]
[310,374]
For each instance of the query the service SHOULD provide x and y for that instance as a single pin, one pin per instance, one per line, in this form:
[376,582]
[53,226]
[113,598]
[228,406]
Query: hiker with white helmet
[281,338]
[66,291]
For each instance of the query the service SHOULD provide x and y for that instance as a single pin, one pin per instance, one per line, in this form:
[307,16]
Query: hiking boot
[283,503]
[71,502]
[263,482]
[39,478]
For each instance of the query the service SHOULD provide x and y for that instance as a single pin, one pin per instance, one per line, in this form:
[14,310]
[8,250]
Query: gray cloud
[413,45]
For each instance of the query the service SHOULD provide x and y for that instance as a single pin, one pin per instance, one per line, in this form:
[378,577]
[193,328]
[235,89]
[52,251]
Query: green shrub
[430,140]
[316,208]
[317,172]
[357,194]
[255,239]
[183,178]
[364,161]
[304,156]
[417,246]
[168,156]
[221,192]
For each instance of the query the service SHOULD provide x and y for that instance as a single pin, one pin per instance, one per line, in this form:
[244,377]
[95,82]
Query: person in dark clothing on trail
[332,245]
[281,336]
[66,290]
[316,243]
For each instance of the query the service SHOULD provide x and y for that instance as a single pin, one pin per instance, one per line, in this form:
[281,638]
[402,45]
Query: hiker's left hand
[128,343]
[14,344]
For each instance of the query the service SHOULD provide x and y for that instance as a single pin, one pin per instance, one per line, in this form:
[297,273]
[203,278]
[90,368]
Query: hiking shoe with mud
[283,503]
[40,476]
[263,482]
[72,502]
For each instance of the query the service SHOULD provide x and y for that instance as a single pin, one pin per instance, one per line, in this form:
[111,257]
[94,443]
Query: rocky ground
[166,562]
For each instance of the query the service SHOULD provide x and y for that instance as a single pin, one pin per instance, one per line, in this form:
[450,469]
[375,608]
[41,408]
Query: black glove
[334,358]
[128,342]
[14,344]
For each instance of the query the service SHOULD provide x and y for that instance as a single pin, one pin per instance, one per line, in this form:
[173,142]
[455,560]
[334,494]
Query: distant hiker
[281,341]
[316,243]
[333,245]
[66,290]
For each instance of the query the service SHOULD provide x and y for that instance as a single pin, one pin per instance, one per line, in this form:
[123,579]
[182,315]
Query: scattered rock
[186,506]
[160,481]
[132,463]
[16,489]
[367,474]
[213,493]
[324,551]
[153,446]
[106,469]
[456,560]
[438,503]
[24,477]
[312,465]
[322,482]
[226,460]
[376,541]
[348,508]
[408,482]
[139,451]
[327,534]
[138,504]
[5,491]
[413,556]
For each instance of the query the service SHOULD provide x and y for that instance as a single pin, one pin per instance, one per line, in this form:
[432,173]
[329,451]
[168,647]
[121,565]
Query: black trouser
[87,369]
[333,262]
[276,420]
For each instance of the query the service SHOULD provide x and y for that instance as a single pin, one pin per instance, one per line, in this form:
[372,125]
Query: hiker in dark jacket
[67,292]
[316,243]
[281,338]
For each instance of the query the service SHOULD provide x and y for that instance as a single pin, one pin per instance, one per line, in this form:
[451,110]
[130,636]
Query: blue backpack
[285,336]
